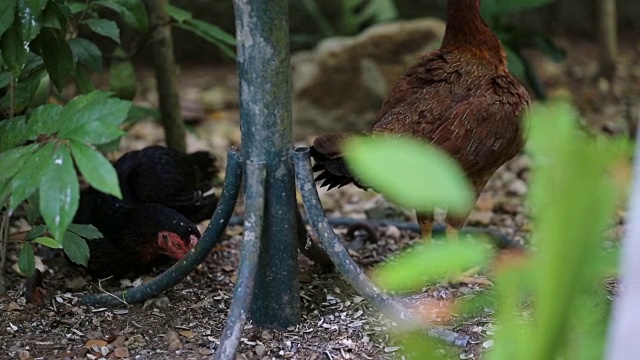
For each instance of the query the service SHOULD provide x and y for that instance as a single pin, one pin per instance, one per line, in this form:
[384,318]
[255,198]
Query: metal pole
[262,35]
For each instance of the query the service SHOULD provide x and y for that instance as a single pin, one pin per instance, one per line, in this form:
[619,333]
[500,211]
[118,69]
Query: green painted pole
[262,35]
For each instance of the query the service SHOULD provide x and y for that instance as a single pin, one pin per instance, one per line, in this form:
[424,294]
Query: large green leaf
[54,17]
[87,53]
[7,15]
[410,172]
[176,13]
[14,53]
[426,263]
[105,28]
[90,107]
[12,160]
[86,231]
[76,248]
[133,12]
[98,121]
[27,260]
[12,133]
[26,181]
[59,192]
[35,232]
[96,169]
[57,55]
[29,12]
[36,6]
[187,25]
[45,119]
[47,241]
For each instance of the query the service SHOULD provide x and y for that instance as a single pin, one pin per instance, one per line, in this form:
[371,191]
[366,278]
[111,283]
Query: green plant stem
[161,43]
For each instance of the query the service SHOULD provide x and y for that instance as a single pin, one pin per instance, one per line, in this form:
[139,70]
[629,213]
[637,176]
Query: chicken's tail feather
[328,161]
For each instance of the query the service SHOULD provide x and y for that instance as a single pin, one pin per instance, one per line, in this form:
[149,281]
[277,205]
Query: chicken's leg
[469,276]
[426,225]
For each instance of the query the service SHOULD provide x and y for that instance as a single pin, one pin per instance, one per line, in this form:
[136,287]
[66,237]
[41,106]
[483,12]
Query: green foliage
[64,135]
[415,187]
[209,32]
[496,13]
[559,284]
[42,145]
[353,16]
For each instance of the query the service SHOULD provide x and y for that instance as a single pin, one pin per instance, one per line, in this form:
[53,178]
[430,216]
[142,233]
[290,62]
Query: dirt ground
[186,322]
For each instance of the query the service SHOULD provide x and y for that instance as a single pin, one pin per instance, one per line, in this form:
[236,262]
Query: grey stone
[341,84]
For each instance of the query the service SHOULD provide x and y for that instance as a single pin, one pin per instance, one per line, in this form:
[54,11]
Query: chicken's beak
[193,240]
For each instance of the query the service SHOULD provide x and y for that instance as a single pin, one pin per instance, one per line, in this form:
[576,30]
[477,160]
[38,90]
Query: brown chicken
[460,98]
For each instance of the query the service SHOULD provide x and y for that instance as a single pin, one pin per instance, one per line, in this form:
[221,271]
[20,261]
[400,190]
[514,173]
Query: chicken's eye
[165,237]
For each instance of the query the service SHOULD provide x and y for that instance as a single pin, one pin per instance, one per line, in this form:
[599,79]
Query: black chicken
[164,193]
[140,237]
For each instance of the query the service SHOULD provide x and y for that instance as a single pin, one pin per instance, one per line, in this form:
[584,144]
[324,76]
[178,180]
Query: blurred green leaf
[27,260]
[509,6]
[53,17]
[176,13]
[7,15]
[133,12]
[548,47]
[35,232]
[410,172]
[49,242]
[58,58]
[86,231]
[76,7]
[32,209]
[427,263]
[96,169]
[106,28]
[12,160]
[86,53]
[27,179]
[122,78]
[59,192]
[36,6]
[14,51]
[12,133]
[516,65]
[570,224]
[212,34]
[76,248]
[29,12]
[82,80]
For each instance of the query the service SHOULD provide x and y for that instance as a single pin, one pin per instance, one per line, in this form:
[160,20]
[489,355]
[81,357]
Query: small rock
[485,203]
[121,352]
[105,350]
[173,340]
[135,341]
[204,351]
[260,350]
[481,217]
[76,284]
[393,232]
[517,187]
[24,355]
